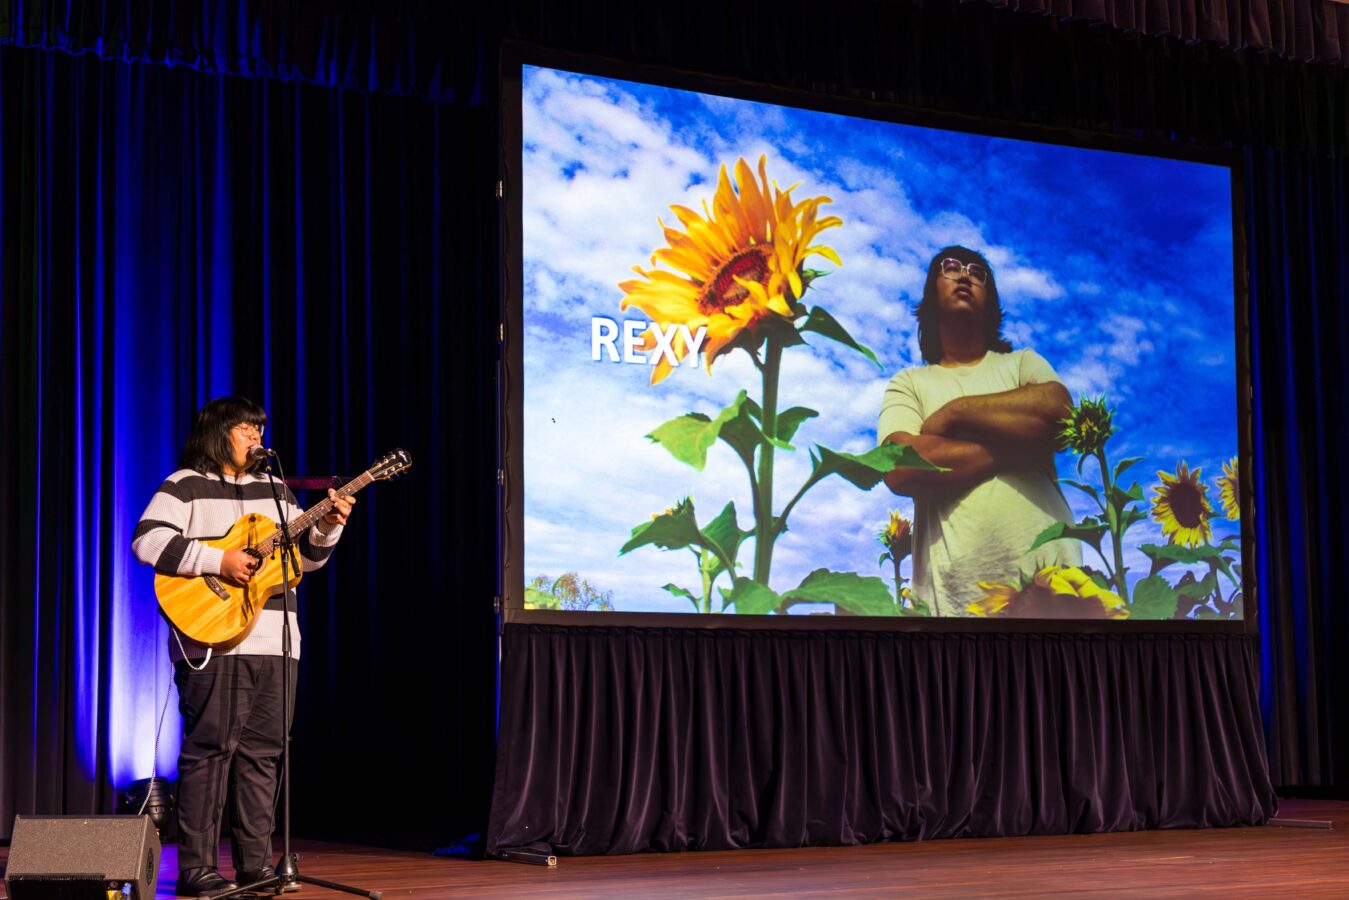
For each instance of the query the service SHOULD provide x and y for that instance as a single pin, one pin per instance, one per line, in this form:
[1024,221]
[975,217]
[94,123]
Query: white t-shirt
[984,534]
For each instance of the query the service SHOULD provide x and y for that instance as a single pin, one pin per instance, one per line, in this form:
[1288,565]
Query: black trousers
[232,742]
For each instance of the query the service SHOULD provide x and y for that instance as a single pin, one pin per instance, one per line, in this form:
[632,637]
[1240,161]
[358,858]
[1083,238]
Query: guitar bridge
[216,587]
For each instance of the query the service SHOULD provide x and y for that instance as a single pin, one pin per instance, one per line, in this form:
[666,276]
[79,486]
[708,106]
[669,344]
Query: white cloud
[1102,367]
[1019,283]
[1089,375]
[1130,346]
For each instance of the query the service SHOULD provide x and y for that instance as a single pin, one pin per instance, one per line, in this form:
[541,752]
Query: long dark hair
[208,444]
[929,334]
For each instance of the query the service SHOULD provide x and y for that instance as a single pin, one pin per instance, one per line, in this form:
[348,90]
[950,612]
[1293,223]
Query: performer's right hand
[238,566]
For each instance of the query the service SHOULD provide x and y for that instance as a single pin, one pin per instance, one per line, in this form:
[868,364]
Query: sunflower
[1229,491]
[1087,427]
[682,507]
[896,537]
[740,263]
[1181,505]
[1056,592]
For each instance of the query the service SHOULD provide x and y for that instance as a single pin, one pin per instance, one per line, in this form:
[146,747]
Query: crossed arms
[976,437]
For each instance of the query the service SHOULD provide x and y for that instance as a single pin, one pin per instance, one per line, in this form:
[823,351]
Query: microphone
[257,451]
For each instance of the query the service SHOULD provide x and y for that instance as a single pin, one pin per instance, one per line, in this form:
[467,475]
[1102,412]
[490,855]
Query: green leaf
[821,322]
[1197,590]
[1175,553]
[1089,530]
[865,596]
[669,531]
[743,435]
[681,592]
[724,533]
[790,419]
[1084,488]
[1131,516]
[920,609]
[679,529]
[809,275]
[1122,465]
[884,558]
[1153,599]
[750,598]
[866,469]
[689,437]
[537,599]
[1121,498]
[1163,555]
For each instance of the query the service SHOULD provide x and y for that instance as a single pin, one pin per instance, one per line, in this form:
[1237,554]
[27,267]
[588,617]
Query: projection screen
[731,324]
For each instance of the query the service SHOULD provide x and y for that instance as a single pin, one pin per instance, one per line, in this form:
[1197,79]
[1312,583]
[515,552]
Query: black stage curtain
[620,740]
[427,48]
[1303,30]
[1299,212]
[437,50]
[172,235]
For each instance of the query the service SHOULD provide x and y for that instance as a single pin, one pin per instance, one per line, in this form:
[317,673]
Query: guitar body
[220,613]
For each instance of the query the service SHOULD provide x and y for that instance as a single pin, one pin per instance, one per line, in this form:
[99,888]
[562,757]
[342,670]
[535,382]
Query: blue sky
[1117,268]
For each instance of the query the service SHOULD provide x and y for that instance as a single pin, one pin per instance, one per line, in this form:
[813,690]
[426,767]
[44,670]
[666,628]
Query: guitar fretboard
[307,519]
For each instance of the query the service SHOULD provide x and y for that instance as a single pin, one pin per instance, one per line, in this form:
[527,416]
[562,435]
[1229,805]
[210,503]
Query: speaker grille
[70,855]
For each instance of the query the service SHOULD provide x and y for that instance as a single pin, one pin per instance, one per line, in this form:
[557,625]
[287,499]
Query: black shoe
[201,881]
[248,876]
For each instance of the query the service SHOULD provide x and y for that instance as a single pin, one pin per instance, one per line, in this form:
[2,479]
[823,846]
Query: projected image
[779,361]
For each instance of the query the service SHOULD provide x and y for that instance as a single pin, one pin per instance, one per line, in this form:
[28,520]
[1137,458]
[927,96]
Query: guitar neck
[307,519]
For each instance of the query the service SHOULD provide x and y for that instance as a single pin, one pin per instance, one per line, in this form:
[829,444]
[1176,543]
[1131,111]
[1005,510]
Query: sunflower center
[724,291]
[1186,504]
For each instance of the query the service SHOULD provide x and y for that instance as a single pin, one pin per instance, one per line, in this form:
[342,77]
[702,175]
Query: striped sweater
[190,505]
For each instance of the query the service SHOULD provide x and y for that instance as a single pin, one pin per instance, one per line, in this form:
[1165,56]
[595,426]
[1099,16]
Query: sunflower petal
[827,252]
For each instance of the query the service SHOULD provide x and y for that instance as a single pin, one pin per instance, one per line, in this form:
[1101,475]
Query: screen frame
[515,55]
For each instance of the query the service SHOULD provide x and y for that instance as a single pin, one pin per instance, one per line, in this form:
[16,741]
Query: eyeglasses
[954,269]
[247,429]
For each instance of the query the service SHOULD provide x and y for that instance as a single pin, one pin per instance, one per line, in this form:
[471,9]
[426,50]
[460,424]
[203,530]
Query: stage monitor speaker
[75,858]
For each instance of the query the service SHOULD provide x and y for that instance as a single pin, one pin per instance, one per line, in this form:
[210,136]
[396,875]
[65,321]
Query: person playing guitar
[229,691]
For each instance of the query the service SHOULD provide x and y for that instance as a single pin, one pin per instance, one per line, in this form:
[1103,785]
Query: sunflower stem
[1116,529]
[765,530]
[703,565]
[899,584]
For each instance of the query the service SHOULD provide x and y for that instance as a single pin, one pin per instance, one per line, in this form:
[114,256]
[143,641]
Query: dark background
[297,202]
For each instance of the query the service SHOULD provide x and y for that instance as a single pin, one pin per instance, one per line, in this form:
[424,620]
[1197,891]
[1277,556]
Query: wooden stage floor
[1242,862]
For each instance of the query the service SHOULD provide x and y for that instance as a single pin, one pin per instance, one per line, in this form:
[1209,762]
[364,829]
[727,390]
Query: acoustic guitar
[219,613]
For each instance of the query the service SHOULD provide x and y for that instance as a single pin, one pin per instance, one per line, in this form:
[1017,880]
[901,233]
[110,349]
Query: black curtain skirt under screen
[618,740]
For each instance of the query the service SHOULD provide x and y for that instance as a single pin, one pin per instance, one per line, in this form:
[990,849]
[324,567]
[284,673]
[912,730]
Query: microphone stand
[287,877]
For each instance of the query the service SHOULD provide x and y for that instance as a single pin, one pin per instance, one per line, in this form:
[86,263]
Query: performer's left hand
[340,511]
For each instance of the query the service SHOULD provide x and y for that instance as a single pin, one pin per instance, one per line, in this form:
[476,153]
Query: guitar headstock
[391,465]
